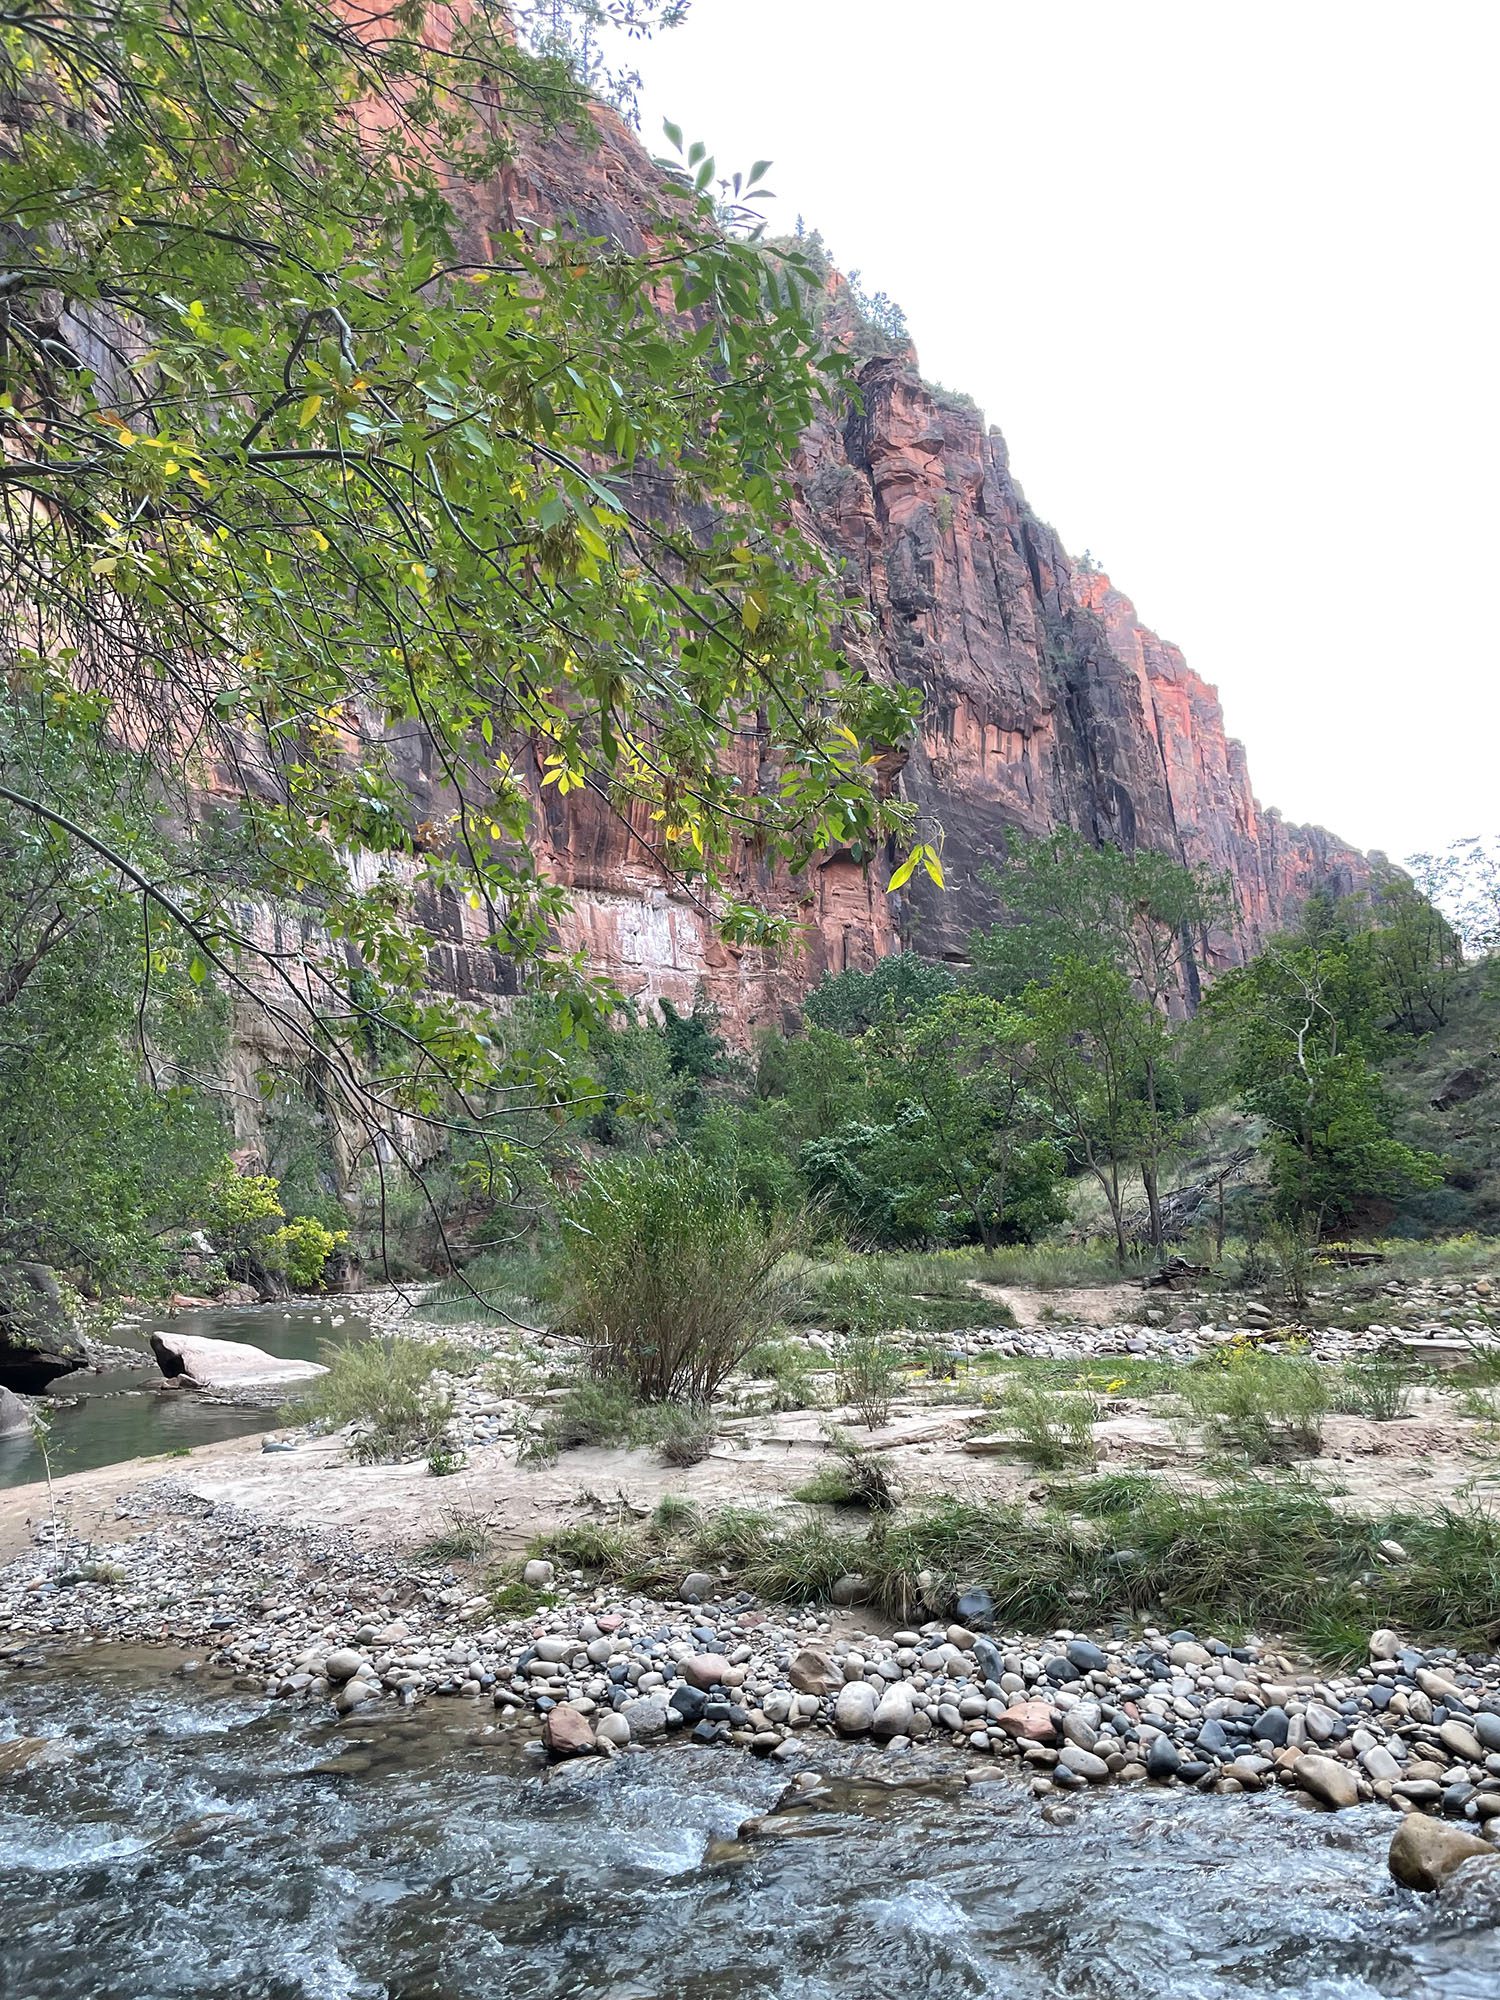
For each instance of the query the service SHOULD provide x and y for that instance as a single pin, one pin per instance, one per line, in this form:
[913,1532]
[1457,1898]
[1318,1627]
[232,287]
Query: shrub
[789,1367]
[593,1413]
[668,1274]
[867,1378]
[683,1436]
[300,1251]
[1264,1408]
[385,1387]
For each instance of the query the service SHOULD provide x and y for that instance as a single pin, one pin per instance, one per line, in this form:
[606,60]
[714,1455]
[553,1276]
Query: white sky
[1225,276]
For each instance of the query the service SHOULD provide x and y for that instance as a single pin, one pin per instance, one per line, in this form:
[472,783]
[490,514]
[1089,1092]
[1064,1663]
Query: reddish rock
[611,1621]
[566,1732]
[705,1670]
[1030,1722]
[814,1671]
[1046,703]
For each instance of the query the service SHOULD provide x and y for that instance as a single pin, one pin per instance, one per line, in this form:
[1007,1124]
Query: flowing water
[200,1842]
[126,1412]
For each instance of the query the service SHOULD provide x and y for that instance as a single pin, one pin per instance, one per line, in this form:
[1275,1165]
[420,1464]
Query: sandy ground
[1095,1305]
[1428,1459]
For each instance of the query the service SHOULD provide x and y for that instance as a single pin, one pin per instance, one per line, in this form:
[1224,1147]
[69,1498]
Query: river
[201,1841]
[122,1412]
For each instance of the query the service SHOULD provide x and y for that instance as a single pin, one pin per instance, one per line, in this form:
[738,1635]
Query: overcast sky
[1225,276]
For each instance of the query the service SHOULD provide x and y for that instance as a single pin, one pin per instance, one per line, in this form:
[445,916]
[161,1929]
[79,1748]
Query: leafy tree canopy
[298,475]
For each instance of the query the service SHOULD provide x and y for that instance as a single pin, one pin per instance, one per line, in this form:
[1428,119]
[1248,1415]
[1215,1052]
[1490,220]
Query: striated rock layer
[1045,701]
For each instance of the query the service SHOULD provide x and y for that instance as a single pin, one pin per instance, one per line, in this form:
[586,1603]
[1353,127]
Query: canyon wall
[1044,701]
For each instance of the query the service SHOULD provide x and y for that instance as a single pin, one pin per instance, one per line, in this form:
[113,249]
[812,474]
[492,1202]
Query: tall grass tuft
[1266,1409]
[668,1274]
[1047,1428]
[386,1388]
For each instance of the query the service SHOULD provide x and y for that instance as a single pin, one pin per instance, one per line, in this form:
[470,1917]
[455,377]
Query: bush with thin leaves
[867,1378]
[1046,1427]
[668,1275]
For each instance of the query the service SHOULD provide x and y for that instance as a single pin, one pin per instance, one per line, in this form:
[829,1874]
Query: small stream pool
[125,1412]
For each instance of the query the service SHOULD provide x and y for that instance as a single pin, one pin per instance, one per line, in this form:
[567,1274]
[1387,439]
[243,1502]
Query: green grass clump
[849,1478]
[895,1292]
[499,1288]
[682,1436]
[1377,1389]
[789,1369]
[1269,1555]
[1047,1267]
[1266,1409]
[1260,1554]
[464,1537]
[384,1386]
[1046,1428]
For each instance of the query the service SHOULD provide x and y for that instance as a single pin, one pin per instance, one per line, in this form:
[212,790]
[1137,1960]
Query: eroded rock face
[1045,702]
[38,1340]
[225,1364]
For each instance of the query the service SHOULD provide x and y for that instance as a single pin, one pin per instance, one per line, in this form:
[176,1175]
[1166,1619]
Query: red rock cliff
[1045,702]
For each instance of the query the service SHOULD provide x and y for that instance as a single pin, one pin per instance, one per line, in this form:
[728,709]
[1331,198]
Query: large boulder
[38,1340]
[15,1418]
[225,1364]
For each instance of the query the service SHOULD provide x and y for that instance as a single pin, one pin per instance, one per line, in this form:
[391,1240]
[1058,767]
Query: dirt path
[1087,1305]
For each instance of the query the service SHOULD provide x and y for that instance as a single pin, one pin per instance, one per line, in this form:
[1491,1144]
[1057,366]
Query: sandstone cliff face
[1045,702]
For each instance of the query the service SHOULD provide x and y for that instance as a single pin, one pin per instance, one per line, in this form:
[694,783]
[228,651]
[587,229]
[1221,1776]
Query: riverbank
[290,1568]
[300,1612]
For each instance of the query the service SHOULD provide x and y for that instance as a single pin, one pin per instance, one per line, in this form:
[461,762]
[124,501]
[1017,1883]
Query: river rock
[538,1574]
[705,1670]
[1163,1758]
[225,1364]
[647,1716]
[15,1418]
[813,1671]
[1424,1853]
[854,1711]
[344,1664]
[38,1340]
[1384,1644]
[1030,1722]
[1329,1781]
[21,1753]
[1461,1741]
[612,1729]
[976,1609]
[851,1589]
[893,1714]
[566,1732]
[352,1694]
[1380,1766]
[696,1586]
[1084,1763]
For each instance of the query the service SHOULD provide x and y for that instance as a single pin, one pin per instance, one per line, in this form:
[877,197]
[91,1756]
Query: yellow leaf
[308,411]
